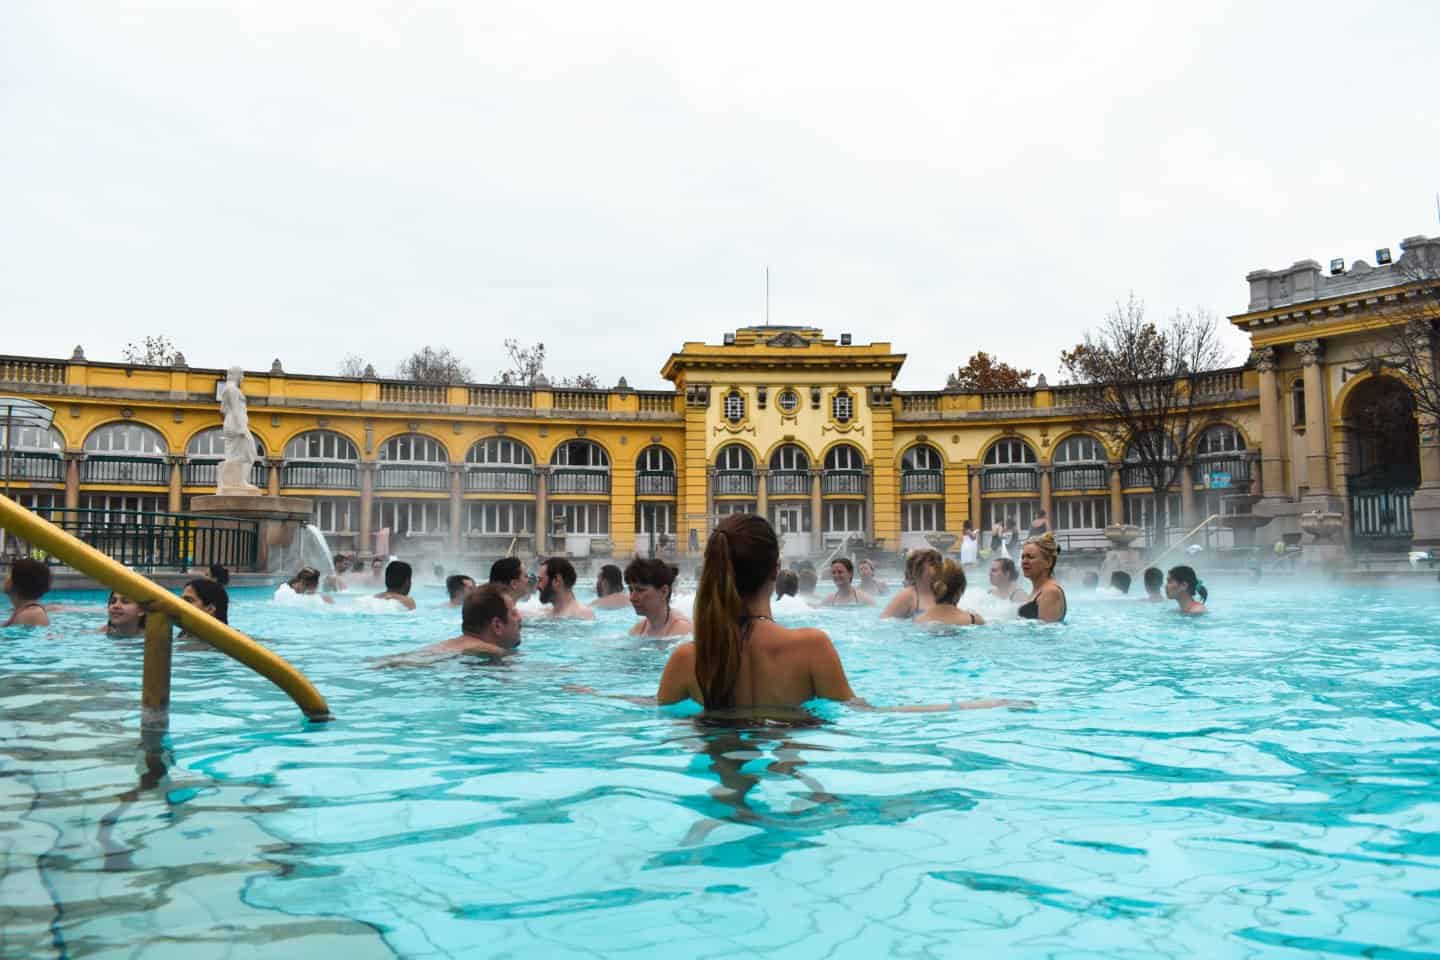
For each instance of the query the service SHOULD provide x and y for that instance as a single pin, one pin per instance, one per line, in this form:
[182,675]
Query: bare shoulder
[585,613]
[684,653]
[679,627]
[639,628]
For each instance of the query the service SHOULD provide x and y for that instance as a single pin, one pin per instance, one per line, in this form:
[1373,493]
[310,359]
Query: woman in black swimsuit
[1047,599]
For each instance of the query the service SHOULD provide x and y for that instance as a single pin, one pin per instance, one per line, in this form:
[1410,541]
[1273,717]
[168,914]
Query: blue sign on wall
[1217,480]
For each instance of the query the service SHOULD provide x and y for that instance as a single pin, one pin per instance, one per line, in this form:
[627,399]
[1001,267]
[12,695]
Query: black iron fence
[842,482]
[206,473]
[654,484]
[500,480]
[783,483]
[139,471]
[1009,480]
[155,541]
[922,481]
[735,483]
[32,465]
[1090,476]
[320,475]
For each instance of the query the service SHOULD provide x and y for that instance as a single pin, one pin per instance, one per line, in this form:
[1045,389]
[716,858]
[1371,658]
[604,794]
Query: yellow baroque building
[785,421]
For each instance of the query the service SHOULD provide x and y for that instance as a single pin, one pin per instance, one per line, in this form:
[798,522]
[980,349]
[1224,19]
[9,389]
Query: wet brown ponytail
[739,558]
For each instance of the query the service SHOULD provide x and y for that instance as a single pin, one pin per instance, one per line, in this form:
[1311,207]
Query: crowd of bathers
[739,657]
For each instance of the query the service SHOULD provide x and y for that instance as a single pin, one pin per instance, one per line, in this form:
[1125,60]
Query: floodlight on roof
[729,339]
[1337,266]
[844,339]
[1382,256]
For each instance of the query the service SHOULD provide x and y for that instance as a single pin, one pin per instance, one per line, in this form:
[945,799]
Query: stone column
[72,479]
[1117,499]
[1425,504]
[869,490]
[762,493]
[175,479]
[1188,516]
[457,507]
[1272,426]
[976,511]
[1317,420]
[709,524]
[542,510]
[272,476]
[1045,492]
[366,547]
[817,510]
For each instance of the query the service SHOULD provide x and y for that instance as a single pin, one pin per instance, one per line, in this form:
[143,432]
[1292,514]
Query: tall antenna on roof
[767,283]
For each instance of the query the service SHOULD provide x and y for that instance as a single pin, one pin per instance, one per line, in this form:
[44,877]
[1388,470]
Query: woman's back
[779,667]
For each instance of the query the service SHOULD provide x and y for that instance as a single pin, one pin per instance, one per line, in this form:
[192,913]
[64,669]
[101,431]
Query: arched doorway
[1382,443]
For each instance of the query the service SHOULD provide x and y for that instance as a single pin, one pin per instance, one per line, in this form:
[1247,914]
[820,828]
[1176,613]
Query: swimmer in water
[1004,576]
[124,617]
[1047,601]
[868,583]
[1154,585]
[209,596]
[1120,582]
[557,588]
[398,576]
[1183,586]
[27,582]
[842,574]
[918,594]
[342,567]
[610,589]
[489,627]
[949,587]
[508,573]
[457,585]
[787,584]
[651,582]
[306,582]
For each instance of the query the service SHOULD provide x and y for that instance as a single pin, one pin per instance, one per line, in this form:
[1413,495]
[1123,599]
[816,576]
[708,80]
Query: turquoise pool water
[1263,782]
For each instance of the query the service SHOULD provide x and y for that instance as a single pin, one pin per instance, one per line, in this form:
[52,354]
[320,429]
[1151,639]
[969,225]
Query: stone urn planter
[1324,526]
[1122,534]
[941,541]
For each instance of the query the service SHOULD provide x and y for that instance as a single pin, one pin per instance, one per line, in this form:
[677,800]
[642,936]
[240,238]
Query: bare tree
[1409,330]
[152,351]
[352,366]
[527,368]
[429,365]
[1149,386]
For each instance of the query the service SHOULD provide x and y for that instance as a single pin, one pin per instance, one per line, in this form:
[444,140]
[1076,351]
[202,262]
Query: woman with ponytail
[949,587]
[1183,586]
[740,657]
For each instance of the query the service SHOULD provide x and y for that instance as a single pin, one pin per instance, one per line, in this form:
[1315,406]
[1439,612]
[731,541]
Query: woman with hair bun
[741,658]
[916,596]
[1047,597]
[1183,586]
[949,587]
[651,582]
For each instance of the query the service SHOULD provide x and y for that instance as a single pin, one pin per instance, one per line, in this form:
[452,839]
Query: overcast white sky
[308,179]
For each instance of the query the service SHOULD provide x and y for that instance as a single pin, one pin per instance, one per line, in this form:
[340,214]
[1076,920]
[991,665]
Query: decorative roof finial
[275,368]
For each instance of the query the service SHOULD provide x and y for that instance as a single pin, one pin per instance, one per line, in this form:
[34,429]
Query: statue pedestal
[1323,527]
[1425,517]
[280,520]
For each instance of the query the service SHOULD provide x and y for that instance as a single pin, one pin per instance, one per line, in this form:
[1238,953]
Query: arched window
[734,471]
[844,470]
[655,472]
[842,406]
[498,465]
[1143,458]
[789,471]
[130,439]
[35,453]
[583,466]
[922,470]
[1158,446]
[1009,452]
[413,461]
[1219,457]
[203,455]
[321,445]
[321,460]
[734,406]
[1079,465]
[46,439]
[1010,467]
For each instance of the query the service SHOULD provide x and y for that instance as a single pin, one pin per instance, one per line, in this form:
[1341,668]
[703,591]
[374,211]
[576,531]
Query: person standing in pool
[918,594]
[842,574]
[456,586]
[398,577]
[124,617]
[306,582]
[740,657]
[949,587]
[508,573]
[651,582]
[1183,586]
[27,582]
[868,583]
[610,589]
[557,588]
[489,627]
[1040,525]
[1047,598]
[1154,585]
[1004,577]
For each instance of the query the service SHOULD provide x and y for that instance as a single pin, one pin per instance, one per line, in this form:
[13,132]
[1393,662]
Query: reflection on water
[1256,783]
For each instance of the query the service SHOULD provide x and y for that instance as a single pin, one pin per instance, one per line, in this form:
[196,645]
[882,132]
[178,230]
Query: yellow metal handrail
[229,641]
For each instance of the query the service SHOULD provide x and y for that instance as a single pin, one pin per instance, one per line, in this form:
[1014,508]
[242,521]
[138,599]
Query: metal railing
[32,465]
[411,476]
[922,481]
[140,471]
[206,473]
[500,480]
[1235,466]
[1080,476]
[1381,514]
[161,541]
[654,484]
[1138,475]
[579,480]
[842,482]
[1009,480]
[783,483]
[320,475]
[735,483]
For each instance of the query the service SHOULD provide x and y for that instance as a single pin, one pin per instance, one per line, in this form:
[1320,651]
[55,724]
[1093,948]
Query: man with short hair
[397,584]
[29,580]
[489,627]
[557,588]
[457,585]
[842,574]
[1154,585]
[508,573]
[610,589]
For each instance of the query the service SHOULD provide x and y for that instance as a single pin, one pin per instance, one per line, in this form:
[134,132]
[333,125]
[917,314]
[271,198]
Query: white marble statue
[240,454]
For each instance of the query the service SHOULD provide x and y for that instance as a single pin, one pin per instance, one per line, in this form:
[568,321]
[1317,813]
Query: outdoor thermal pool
[1260,782]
